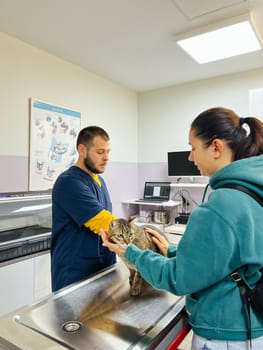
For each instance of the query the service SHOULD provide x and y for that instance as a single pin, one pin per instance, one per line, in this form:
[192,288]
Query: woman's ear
[218,147]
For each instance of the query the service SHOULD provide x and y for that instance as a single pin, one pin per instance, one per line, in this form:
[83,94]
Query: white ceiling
[131,42]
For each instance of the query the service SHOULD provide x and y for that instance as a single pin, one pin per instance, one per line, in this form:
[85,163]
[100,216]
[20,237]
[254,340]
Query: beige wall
[165,114]
[153,122]
[26,71]
[143,127]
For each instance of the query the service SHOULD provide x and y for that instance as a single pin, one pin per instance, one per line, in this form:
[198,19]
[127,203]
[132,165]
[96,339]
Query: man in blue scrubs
[81,206]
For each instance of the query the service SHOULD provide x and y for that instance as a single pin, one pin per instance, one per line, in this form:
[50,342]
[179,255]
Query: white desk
[175,229]
[131,207]
[169,203]
[174,232]
[173,238]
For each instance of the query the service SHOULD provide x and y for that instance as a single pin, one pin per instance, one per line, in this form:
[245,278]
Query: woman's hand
[114,247]
[159,240]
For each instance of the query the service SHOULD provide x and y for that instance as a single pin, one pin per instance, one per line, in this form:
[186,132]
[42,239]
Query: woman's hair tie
[244,125]
[242,120]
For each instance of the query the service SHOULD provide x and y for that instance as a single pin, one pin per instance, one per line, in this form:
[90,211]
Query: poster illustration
[53,133]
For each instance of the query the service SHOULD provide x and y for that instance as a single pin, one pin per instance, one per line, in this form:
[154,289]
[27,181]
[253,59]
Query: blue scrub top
[77,252]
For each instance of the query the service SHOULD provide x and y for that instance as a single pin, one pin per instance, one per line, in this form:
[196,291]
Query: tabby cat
[124,231]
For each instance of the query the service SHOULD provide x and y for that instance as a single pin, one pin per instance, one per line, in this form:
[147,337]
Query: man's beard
[89,165]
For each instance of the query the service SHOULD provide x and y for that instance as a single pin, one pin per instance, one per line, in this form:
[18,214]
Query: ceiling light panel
[229,41]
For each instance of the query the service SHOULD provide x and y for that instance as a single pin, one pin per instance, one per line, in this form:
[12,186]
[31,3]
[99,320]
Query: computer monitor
[179,165]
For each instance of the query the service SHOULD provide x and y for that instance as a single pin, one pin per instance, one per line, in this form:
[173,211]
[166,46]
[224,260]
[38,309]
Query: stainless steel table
[97,313]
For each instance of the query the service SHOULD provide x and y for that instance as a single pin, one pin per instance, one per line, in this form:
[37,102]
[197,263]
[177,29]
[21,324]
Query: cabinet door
[42,280]
[16,285]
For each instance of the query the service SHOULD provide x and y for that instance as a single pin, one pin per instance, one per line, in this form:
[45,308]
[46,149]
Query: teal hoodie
[222,235]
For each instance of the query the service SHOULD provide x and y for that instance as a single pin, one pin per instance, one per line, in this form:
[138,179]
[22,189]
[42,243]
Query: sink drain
[72,326]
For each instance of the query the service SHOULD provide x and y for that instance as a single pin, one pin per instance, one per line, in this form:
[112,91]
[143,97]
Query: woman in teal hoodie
[222,235]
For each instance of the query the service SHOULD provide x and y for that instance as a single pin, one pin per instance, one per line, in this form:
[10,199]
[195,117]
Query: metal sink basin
[99,313]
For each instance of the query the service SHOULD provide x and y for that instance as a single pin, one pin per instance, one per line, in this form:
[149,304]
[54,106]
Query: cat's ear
[132,219]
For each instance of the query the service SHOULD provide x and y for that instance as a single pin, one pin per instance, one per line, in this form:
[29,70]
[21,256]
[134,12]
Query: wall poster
[53,133]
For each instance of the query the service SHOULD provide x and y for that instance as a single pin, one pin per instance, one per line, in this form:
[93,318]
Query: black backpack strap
[244,292]
[243,288]
[246,190]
